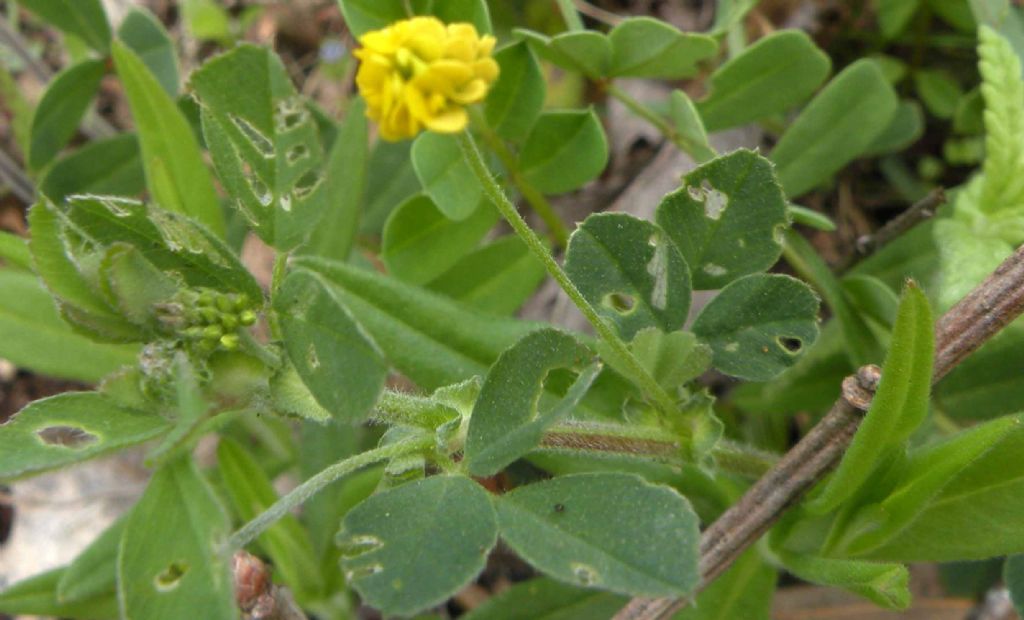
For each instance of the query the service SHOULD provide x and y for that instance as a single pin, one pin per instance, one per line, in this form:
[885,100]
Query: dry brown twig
[990,307]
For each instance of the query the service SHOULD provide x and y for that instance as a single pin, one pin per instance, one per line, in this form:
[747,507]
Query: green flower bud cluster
[211,320]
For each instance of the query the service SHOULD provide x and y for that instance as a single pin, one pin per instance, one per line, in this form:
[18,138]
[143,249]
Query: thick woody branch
[990,307]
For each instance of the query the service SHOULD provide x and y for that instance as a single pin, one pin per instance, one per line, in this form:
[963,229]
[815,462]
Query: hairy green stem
[536,245]
[698,152]
[317,483]
[573,21]
[537,201]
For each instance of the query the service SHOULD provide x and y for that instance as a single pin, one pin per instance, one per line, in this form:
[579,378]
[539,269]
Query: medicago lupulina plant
[381,364]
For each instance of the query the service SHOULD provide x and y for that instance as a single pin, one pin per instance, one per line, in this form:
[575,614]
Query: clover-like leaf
[630,272]
[413,546]
[759,325]
[650,48]
[727,219]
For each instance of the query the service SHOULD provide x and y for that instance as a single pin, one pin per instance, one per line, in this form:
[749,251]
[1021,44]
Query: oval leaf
[605,530]
[645,47]
[759,325]
[111,166]
[339,362]
[517,96]
[61,110]
[148,38]
[630,272]
[412,547]
[170,563]
[497,278]
[445,175]
[564,150]
[176,176]
[83,18]
[839,124]
[769,77]
[509,417]
[727,219]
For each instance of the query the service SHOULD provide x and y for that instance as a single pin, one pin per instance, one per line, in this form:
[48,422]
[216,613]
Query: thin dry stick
[990,307]
[915,214]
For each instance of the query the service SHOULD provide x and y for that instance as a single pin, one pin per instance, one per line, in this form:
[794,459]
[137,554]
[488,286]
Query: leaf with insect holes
[511,412]
[630,271]
[170,241]
[68,428]
[611,531]
[727,219]
[413,546]
[338,361]
[759,325]
[170,563]
[264,143]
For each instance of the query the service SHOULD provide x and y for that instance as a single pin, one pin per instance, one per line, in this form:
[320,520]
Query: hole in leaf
[307,184]
[258,141]
[261,191]
[290,114]
[312,358]
[297,152]
[791,345]
[620,302]
[584,573]
[358,545]
[67,436]
[286,202]
[714,270]
[171,576]
[363,571]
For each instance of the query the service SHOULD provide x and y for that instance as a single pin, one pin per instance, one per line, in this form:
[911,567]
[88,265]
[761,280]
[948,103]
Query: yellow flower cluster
[420,73]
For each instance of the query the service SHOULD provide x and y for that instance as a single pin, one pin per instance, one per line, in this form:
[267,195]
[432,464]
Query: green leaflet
[774,74]
[175,174]
[726,219]
[516,98]
[148,38]
[420,243]
[365,15]
[921,481]
[264,142]
[83,18]
[170,564]
[496,278]
[631,273]
[564,150]
[337,360]
[509,417]
[445,175]
[884,584]
[413,546]
[651,48]
[759,325]
[68,428]
[431,339]
[900,404]
[111,166]
[585,51]
[614,531]
[61,110]
[837,126]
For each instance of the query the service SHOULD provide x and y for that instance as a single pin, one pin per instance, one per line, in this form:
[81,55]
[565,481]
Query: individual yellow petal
[452,120]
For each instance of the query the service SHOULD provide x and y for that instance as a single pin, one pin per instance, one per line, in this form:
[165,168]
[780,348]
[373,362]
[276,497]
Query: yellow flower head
[420,73]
